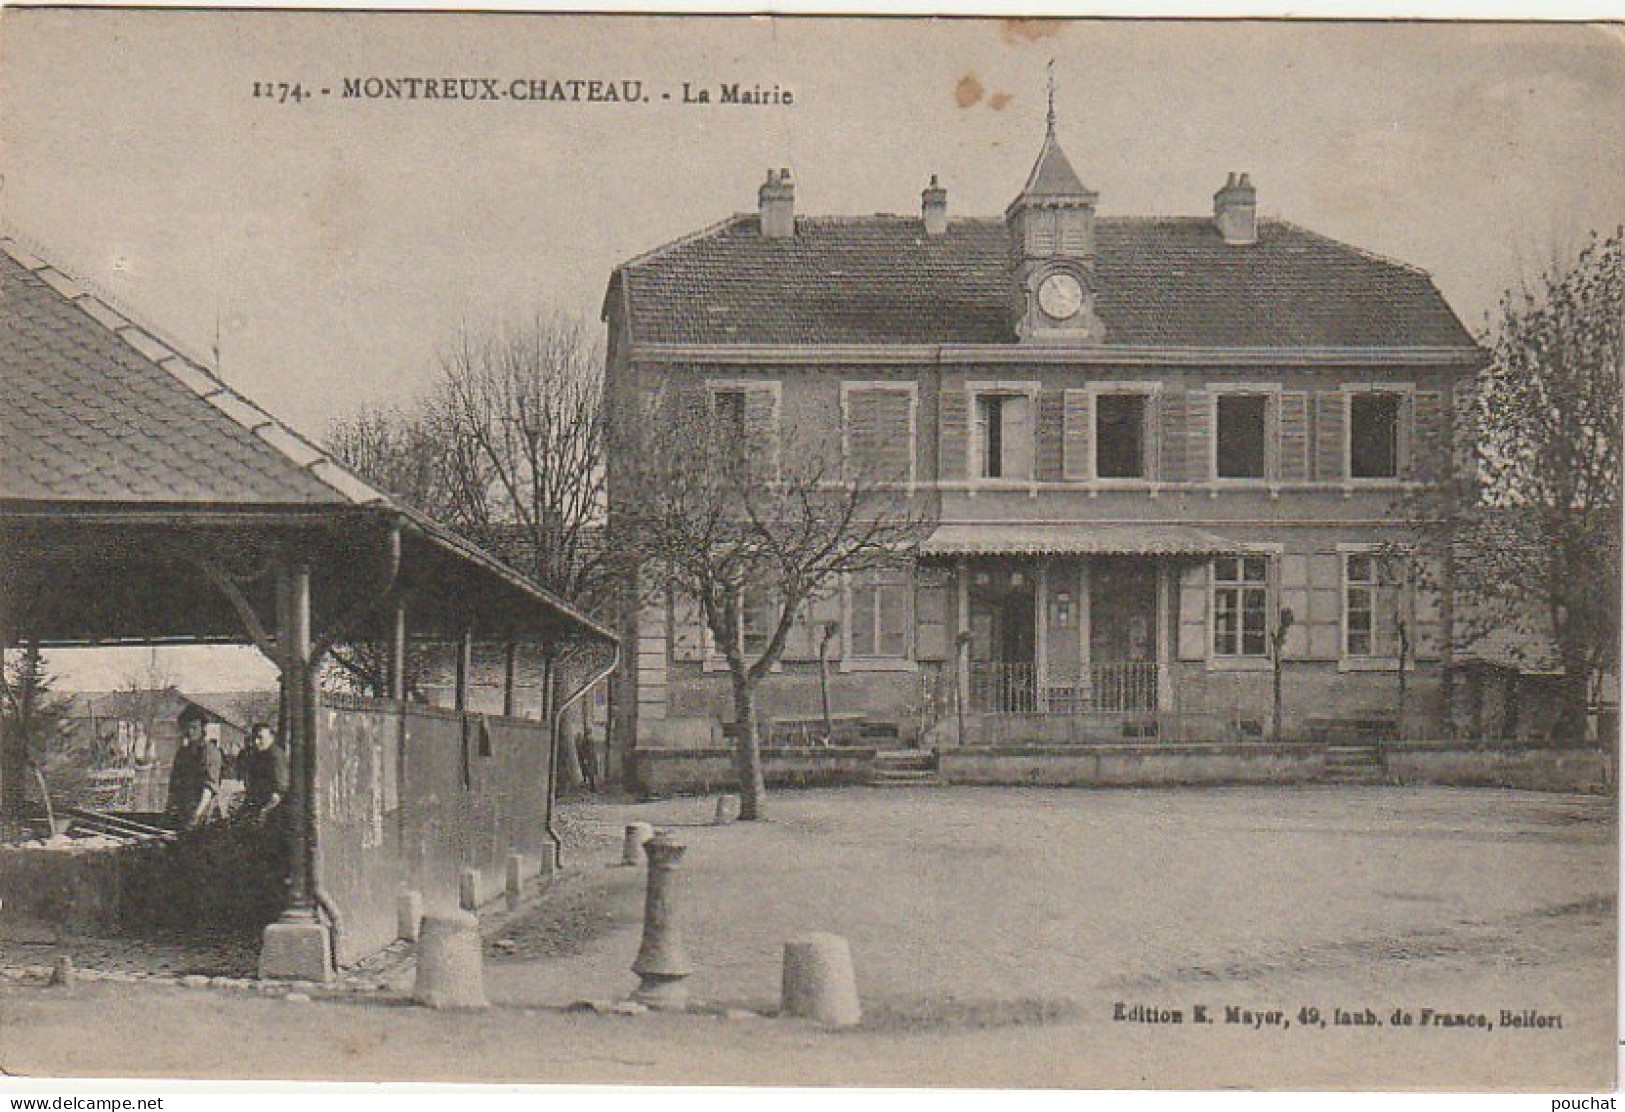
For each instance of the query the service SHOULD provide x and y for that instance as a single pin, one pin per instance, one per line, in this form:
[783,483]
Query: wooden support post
[297,946]
[1041,639]
[1086,673]
[294,637]
[397,651]
[510,679]
[465,669]
[1167,617]
[961,648]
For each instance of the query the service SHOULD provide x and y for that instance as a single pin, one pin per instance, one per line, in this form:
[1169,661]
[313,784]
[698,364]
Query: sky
[334,247]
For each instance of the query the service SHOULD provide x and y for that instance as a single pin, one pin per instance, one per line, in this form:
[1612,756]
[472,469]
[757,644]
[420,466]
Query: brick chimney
[934,208]
[1235,211]
[776,203]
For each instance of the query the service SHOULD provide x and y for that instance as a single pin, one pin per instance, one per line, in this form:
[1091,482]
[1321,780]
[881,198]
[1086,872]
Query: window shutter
[1078,423]
[1325,618]
[1292,428]
[1051,433]
[1295,596]
[1018,437]
[1171,444]
[878,434]
[931,639]
[1429,449]
[1198,437]
[761,427]
[1193,592]
[954,449]
[1427,643]
[1330,419]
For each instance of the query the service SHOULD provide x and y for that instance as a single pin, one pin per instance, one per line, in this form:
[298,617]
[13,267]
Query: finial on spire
[1050,117]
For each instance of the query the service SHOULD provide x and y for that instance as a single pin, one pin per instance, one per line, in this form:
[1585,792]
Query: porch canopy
[989,539]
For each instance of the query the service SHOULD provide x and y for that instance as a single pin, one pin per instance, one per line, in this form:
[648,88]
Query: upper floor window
[879,606]
[1371,606]
[1121,440]
[878,431]
[1241,606]
[1242,441]
[1375,435]
[743,425]
[1004,435]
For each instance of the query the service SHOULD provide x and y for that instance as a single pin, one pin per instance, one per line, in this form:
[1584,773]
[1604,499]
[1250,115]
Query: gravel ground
[996,933]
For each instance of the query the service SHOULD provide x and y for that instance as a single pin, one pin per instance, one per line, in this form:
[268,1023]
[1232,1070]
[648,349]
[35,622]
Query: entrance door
[1003,629]
[1123,634]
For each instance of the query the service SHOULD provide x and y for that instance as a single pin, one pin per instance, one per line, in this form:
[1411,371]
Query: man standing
[264,769]
[194,778]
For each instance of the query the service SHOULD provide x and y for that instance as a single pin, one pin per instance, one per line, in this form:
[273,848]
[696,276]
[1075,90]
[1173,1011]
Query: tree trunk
[747,752]
[1574,700]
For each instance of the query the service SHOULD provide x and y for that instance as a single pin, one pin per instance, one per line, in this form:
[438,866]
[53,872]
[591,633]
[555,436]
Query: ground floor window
[879,609]
[1371,602]
[1241,606]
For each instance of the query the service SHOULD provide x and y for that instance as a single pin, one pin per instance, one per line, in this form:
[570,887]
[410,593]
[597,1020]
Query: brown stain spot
[968,90]
[997,101]
[1017,32]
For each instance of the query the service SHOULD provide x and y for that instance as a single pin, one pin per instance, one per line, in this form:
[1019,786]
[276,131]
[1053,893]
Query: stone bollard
[450,970]
[727,810]
[818,981]
[468,889]
[662,962]
[408,915]
[62,972]
[637,833]
[516,880]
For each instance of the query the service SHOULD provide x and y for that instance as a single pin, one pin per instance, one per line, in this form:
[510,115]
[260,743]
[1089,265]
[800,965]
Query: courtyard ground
[998,935]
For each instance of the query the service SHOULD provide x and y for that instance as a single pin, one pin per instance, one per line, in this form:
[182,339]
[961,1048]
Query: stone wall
[67,889]
[677,771]
[1144,764]
[1532,767]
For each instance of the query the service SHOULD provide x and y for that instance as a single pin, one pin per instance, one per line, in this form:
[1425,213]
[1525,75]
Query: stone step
[907,760]
[904,780]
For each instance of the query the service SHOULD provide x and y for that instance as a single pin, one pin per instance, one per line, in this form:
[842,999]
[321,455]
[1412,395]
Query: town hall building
[1158,452]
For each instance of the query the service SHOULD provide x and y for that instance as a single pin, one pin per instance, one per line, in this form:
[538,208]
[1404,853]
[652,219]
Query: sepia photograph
[784,551]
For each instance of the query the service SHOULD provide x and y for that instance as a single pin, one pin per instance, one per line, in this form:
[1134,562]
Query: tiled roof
[1161,282]
[97,409]
[1052,174]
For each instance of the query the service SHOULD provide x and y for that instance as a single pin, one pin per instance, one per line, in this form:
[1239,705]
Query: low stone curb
[346,987]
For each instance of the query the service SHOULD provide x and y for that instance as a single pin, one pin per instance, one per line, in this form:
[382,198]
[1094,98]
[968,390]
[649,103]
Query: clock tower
[1052,250]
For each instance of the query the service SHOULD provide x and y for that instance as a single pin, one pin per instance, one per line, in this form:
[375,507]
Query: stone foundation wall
[1131,765]
[71,889]
[1532,767]
[678,771]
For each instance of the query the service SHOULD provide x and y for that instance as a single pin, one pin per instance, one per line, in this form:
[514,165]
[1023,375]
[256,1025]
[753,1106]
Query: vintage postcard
[665,550]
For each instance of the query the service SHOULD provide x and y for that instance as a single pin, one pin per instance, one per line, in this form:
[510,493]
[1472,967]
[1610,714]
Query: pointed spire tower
[1052,247]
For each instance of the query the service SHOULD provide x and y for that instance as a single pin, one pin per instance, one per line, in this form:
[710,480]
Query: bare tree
[712,505]
[1524,526]
[507,448]
[32,719]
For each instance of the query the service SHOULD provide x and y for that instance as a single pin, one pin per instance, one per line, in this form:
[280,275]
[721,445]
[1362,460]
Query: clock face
[1060,296]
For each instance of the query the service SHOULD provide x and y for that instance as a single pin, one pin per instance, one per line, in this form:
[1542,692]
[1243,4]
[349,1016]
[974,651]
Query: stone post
[662,962]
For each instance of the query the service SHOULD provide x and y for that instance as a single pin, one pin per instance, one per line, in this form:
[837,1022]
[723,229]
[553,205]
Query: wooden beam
[227,586]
